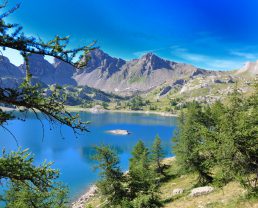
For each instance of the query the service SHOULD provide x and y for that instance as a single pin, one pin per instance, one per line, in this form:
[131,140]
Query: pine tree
[143,182]
[157,154]
[238,152]
[112,178]
[189,146]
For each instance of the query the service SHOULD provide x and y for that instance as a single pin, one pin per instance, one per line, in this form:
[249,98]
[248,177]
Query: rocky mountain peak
[104,62]
[150,57]
[154,62]
[7,69]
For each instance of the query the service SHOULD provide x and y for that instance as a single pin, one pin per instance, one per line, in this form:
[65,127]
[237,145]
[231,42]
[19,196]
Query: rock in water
[201,191]
[119,132]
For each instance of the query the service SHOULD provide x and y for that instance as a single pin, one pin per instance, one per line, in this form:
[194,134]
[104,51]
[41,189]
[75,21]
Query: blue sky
[211,34]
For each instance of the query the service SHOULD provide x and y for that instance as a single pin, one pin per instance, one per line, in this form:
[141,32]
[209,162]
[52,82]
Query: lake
[72,155]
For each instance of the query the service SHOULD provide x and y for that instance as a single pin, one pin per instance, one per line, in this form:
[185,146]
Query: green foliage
[221,137]
[30,185]
[238,133]
[190,143]
[104,105]
[111,182]
[143,181]
[137,189]
[157,154]
[22,195]
[136,103]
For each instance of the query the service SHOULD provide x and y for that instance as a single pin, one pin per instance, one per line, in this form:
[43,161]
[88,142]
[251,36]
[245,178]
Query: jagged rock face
[100,65]
[10,75]
[40,68]
[7,69]
[112,74]
[145,74]
[58,73]
[63,73]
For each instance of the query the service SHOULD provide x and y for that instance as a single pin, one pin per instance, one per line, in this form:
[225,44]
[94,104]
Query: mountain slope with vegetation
[216,163]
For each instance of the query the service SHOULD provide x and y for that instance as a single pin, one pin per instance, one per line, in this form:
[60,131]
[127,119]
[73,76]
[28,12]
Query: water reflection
[73,155]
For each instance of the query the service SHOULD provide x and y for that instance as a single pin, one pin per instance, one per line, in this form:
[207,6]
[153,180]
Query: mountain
[99,70]
[40,69]
[138,75]
[115,75]
[57,73]
[250,68]
[10,75]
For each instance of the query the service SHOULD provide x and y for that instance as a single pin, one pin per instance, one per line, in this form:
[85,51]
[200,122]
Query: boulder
[201,191]
[177,191]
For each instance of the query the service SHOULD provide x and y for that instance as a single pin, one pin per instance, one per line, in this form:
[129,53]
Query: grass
[230,196]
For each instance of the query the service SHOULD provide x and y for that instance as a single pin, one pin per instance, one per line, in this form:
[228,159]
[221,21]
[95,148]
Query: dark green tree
[238,149]
[136,103]
[157,154]
[190,144]
[111,182]
[143,181]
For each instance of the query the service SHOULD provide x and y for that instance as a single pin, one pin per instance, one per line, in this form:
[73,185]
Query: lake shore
[80,109]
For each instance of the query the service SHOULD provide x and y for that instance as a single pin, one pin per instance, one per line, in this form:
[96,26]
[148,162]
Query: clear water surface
[73,155]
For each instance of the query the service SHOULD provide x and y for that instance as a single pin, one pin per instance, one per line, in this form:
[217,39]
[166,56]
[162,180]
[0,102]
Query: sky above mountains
[214,34]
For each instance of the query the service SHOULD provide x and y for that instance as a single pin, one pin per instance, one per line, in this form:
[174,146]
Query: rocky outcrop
[8,70]
[64,73]
[201,191]
[177,191]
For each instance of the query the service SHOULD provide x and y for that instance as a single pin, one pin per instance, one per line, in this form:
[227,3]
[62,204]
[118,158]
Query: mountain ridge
[114,75]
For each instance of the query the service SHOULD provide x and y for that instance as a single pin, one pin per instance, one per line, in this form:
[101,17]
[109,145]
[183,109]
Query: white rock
[177,191]
[119,132]
[201,191]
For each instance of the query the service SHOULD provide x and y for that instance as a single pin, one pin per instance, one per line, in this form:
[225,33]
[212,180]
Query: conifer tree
[143,182]
[238,152]
[157,154]
[190,143]
[111,183]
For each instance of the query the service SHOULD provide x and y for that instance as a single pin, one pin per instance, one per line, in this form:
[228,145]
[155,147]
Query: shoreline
[91,191]
[80,109]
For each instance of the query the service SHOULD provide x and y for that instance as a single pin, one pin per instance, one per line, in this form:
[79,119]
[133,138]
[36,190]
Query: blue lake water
[73,155]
